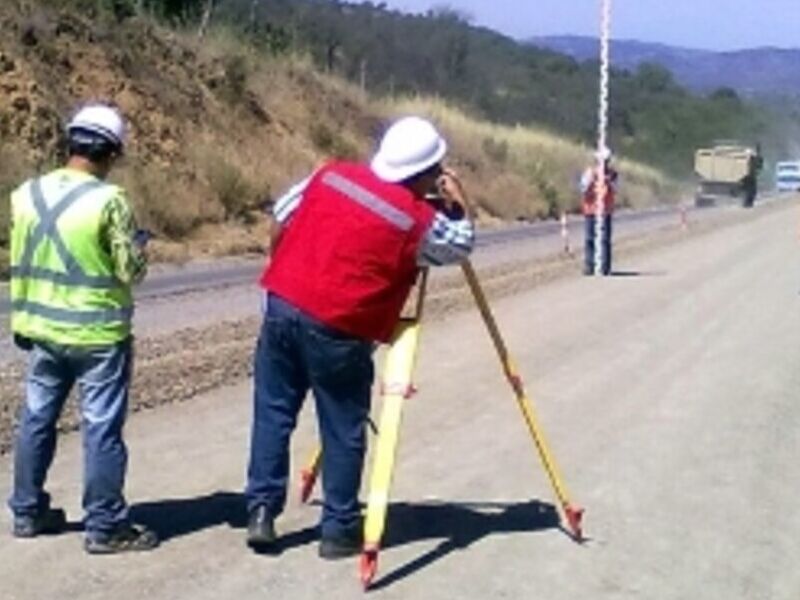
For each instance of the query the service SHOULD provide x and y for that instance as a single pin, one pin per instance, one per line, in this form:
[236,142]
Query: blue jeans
[295,353]
[103,376]
[589,236]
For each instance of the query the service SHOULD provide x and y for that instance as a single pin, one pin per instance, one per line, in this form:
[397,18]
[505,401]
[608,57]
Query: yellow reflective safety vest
[63,288]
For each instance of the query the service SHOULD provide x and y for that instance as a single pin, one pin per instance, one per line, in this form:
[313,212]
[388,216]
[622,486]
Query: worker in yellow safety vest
[75,255]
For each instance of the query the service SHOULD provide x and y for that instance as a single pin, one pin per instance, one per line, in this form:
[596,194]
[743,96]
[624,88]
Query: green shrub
[12,173]
[5,219]
[168,206]
[331,142]
[496,151]
[233,86]
[5,224]
[234,192]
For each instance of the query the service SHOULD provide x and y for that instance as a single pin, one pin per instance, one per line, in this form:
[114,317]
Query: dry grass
[524,172]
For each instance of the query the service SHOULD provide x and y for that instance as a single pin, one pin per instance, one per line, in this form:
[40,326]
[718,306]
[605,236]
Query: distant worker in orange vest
[350,243]
[590,189]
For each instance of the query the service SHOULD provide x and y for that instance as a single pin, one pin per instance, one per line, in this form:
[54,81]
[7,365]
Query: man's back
[349,255]
[64,284]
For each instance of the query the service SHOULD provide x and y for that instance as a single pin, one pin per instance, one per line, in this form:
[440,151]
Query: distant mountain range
[753,72]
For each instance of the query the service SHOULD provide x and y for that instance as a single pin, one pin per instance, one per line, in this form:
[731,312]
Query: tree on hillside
[208,12]
[446,12]
[654,79]
[496,77]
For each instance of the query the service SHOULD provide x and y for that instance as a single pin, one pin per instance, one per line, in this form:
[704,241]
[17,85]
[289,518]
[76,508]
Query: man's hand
[141,238]
[452,191]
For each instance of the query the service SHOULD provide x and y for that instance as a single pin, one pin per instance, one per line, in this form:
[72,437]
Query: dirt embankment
[214,128]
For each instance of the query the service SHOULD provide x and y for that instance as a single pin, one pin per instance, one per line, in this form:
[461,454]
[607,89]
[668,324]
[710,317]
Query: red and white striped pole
[602,134]
[565,235]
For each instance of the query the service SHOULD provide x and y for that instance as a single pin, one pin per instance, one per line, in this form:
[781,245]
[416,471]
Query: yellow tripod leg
[572,514]
[397,388]
[309,475]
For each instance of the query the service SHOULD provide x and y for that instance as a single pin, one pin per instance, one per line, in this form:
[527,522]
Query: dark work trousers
[589,248]
[297,353]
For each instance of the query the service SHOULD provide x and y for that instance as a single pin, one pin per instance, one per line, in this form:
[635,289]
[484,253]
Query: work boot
[127,537]
[342,545]
[48,522]
[260,529]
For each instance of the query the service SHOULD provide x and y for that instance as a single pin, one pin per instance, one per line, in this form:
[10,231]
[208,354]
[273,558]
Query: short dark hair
[92,146]
[433,171]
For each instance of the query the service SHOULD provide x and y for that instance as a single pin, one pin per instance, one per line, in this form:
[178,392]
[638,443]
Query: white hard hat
[409,147]
[102,120]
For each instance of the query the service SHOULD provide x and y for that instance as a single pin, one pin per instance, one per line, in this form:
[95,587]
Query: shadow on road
[459,525]
[178,517]
[638,273]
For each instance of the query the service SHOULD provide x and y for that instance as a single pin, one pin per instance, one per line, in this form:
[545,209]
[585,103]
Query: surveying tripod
[396,388]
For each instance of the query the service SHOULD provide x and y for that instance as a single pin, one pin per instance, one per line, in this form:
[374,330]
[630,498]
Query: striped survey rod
[572,514]
[602,133]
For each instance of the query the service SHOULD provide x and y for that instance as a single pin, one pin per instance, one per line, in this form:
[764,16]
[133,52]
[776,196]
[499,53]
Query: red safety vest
[591,192]
[348,257]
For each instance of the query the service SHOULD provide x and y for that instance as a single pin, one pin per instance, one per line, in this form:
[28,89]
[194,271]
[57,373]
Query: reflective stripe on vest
[47,228]
[79,317]
[349,257]
[75,278]
[368,200]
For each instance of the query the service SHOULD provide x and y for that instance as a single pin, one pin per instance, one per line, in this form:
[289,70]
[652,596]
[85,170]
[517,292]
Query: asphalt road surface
[202,293]
[224,273]
[669,394]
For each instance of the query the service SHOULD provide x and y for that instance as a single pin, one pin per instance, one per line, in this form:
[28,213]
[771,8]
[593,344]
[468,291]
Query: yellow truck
[727,171]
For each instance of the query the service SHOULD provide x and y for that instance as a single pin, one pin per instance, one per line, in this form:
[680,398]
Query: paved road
[670,399]
[225,273]
[203,293]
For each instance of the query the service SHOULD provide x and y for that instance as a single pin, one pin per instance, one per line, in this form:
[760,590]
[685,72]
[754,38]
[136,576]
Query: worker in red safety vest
[349,244]
[590,189]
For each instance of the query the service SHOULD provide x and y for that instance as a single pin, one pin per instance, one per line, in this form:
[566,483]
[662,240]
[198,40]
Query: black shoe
[49,522]
[260,528]
[125,538]
[344,545]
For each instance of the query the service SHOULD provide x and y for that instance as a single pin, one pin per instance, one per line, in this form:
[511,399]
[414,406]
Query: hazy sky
[712,24]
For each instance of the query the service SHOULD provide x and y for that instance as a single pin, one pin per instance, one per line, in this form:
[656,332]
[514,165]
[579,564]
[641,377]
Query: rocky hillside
[218,127]
[214,128]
